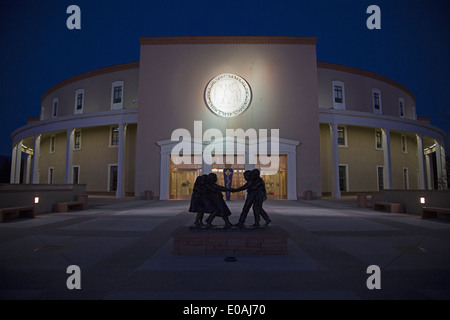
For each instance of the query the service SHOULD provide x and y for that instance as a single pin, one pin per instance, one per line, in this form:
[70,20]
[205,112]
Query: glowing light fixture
[36,199]
[422,200]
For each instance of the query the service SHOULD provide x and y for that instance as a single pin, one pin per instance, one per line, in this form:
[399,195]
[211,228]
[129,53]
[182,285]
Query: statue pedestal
[270,240]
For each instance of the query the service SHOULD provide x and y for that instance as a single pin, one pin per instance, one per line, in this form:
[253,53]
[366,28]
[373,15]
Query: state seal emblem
[228,95]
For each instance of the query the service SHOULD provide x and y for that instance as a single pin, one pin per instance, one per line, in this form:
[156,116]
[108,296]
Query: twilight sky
[38,50]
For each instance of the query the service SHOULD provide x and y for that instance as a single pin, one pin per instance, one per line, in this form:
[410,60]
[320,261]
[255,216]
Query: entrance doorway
[276,184]
[182,179]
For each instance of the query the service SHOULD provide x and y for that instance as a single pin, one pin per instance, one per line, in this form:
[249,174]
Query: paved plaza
[124,251]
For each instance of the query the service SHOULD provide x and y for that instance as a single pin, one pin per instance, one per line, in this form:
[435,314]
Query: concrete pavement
[124,251]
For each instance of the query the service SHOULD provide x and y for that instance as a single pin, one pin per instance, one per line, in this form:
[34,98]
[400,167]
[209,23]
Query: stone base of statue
[271,240]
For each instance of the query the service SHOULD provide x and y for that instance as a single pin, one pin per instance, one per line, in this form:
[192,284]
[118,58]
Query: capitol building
[339,130]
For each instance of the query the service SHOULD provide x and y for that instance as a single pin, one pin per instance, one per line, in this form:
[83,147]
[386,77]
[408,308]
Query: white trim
[36,156]
[380,110]
[94,119]
[387,161]
[69,155]
[421,163]
[55,109]
[335,190]
[119,105]
[365,119]
[286,147]
[79,170]
[77,92]
[13,164]
[338,105]
[109,176]
[52,169]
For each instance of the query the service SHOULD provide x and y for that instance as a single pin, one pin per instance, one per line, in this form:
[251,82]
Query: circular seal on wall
[228,95]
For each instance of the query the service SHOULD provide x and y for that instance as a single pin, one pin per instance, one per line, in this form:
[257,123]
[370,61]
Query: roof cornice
[376,76]
[228,40]
[92,73]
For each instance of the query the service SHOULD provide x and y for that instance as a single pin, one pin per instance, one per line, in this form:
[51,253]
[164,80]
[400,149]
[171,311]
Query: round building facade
[226,105]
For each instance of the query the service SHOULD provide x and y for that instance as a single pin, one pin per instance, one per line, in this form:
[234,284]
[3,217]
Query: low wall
[266,241]
[17,195]
[411,198]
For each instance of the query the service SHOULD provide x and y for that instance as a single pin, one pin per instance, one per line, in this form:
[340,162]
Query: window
[114,141]
[380,175]
[42,112]
[79,101]
[52,144]
[117,95]
[401,107]
[341,136]
[403,143]
[55,108]
[405,179]
[376,100]
[378,140]
[77,140]
[76,174]
[112,177]
[50,175]
[343,179]
[338,95]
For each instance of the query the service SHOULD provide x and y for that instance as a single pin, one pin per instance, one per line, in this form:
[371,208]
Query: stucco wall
[362,158]
[97,87]
[283,80]
[358,92]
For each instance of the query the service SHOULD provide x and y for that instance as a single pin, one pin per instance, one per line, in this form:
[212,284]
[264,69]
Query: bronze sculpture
[207,197]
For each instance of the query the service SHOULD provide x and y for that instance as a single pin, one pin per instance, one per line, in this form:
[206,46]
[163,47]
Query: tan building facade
[339,129]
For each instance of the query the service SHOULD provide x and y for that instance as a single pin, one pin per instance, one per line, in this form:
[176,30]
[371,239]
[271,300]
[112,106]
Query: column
[439,165]
[164,175]
[28,168]
[335,189]
[69,155]
[120,193]
[428,164]
[36,155]
[421,161]
[387,177]
[444,169]
[13,165]
[18,162]
[292,175]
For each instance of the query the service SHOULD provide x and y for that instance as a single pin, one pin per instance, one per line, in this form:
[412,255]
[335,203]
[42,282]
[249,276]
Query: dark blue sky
[38,50]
